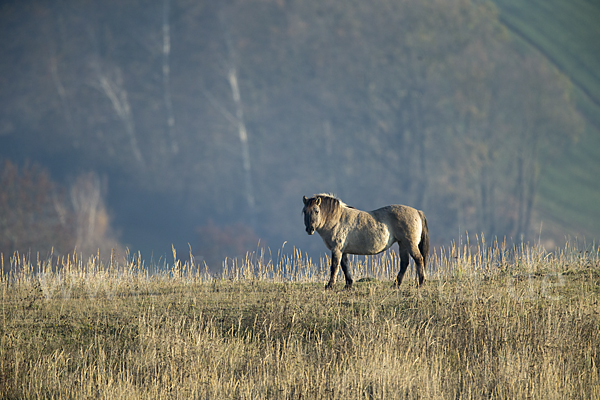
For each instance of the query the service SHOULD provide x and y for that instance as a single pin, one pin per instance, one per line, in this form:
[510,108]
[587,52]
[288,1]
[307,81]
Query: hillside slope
[568,34]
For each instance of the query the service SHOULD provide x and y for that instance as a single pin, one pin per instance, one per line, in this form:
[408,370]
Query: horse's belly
[370,242]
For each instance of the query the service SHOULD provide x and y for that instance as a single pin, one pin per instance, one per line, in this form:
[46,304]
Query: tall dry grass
[491,323]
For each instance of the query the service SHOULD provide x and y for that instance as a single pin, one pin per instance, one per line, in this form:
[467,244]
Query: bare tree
[237,120]
[111,84]
[92,223]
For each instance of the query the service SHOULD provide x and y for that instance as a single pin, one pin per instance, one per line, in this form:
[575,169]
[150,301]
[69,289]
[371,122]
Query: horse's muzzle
[310,231]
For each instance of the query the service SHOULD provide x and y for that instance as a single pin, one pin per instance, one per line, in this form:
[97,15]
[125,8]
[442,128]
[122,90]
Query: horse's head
[312,214]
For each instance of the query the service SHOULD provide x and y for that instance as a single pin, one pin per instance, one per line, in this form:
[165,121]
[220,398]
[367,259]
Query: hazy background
[141,125]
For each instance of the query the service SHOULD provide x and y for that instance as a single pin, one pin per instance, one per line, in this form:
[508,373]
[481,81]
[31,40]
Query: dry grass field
[491,323]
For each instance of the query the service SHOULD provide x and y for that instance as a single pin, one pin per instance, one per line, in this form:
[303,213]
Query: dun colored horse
[346,230]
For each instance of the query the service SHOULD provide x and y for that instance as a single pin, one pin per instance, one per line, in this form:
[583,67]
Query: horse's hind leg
[346,269]
[404,261]
[419,261]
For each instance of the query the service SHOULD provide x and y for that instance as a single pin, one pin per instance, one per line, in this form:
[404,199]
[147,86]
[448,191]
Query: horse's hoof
[328,287]
[348,287]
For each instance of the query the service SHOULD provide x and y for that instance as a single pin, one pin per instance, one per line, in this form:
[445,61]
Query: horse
[346,230]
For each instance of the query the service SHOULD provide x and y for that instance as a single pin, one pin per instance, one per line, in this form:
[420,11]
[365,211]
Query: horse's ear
[304,199]
[318,202]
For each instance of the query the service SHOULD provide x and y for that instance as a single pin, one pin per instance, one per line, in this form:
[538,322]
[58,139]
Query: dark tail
[424,244]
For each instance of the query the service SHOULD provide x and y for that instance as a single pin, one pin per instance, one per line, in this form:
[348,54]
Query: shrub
[216,243]
[36,217]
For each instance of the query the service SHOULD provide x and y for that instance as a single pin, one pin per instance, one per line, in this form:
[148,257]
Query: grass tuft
[492,322]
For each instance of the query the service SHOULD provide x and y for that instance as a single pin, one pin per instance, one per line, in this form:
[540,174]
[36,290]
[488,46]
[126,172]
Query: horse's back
[396,213]
[403,221]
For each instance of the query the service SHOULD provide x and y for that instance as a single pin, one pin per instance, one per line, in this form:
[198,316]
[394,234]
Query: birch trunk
[166,70]
[243,134]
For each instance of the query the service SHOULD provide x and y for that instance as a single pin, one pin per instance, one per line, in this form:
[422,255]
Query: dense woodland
[205,122]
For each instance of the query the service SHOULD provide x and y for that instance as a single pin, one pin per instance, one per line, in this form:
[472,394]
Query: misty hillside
[566,33]
[202,124]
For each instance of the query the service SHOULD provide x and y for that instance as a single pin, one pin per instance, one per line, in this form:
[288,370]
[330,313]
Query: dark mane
[331,206]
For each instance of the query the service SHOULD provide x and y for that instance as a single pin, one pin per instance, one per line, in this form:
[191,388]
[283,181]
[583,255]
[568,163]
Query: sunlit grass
[493,322]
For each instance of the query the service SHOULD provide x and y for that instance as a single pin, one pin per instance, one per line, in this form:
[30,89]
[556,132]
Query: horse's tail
[424,243]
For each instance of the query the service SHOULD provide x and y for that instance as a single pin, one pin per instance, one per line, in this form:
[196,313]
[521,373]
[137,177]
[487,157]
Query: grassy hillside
[489,324]
[568,34]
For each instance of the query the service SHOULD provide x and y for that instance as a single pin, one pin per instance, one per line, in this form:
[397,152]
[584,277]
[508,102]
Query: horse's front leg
[347,274]
[336,257]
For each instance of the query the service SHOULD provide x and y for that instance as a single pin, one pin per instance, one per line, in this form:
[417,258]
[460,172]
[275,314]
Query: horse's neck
[342,218]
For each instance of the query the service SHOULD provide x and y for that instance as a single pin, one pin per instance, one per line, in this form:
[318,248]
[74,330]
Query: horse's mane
[330,205]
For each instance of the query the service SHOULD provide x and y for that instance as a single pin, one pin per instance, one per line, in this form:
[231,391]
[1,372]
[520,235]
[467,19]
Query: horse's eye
[316,211]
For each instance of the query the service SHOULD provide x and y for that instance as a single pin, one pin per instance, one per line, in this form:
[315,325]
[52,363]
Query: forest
[201,124]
